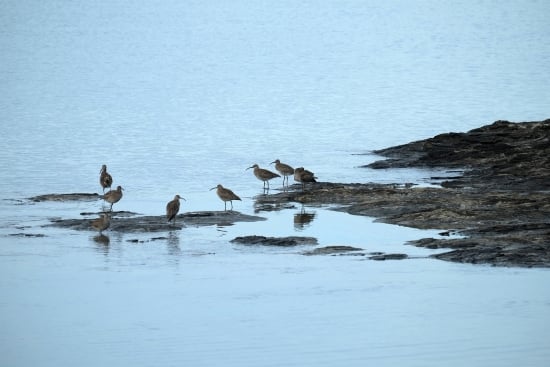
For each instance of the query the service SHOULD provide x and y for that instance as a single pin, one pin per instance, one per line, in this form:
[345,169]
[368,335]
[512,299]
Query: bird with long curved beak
[172,208]
[226,195]
[263,174]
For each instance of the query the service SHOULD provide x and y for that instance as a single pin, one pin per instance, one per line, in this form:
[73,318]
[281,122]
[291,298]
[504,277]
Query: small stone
[388,257]
[331,250]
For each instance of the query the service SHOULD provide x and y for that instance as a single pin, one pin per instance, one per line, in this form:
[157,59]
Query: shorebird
[226,195]
[102,223]
[263,174]
[303,175]
[105,179]
[284,169]
[113,196]
[172,208]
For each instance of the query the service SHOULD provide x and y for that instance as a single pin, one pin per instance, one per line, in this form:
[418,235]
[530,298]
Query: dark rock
[383,257]
[117,213]
[225,218]
[36,235]
[159,238]
[275,241]
[501,203]
[502,155]
[135,240]
[158,223]
[66,197]
[331,250]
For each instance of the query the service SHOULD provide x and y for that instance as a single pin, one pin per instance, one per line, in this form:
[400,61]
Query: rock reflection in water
[303,219]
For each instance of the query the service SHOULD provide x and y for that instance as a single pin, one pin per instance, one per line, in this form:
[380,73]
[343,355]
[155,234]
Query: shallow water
[178,97]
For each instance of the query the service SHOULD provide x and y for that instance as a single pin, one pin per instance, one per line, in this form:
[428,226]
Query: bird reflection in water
[174,243]
[303,219]
[102,242]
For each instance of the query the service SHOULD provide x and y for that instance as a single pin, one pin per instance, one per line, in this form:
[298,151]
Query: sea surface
[176,97]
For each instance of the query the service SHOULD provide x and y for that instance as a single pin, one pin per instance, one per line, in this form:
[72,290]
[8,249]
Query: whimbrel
[172,208]
[102,223]
[113,196]
[303,175]
[105,179]
[263,174]
[226,195]
[284,169]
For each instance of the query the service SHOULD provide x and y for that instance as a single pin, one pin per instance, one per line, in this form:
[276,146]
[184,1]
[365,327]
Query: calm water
[176,97]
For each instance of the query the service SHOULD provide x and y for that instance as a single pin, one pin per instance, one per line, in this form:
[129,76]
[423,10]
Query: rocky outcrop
[132,223]
[500,156]
[501,205]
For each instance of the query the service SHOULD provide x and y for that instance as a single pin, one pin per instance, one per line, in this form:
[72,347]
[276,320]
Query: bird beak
[183,198]
[272,162]
[249,168]
[213,188]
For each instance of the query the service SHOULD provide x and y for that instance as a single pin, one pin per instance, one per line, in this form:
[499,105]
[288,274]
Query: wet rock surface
[501,205]
[503,155]
[275,241]
[27,235]
[66,197]
[384,257]
[131,222]
[334,250]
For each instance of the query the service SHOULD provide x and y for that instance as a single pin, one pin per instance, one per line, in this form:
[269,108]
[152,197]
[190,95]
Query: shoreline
[499,206]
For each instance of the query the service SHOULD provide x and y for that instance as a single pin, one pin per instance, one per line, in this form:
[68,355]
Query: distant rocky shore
[499,206]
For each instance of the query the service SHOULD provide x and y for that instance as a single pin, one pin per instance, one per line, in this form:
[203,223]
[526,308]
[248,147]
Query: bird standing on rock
[303,175]
[172,208]
[284,169]
[226,195]
[105,179]
[113,196]
[263,174]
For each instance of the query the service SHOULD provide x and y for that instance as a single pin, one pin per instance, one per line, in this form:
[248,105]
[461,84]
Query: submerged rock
[275,241]
[28,235]
[333,250]
[383,257]
[225,218]
[66,197]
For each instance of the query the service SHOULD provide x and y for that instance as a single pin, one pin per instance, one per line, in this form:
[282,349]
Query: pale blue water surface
[178,96]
